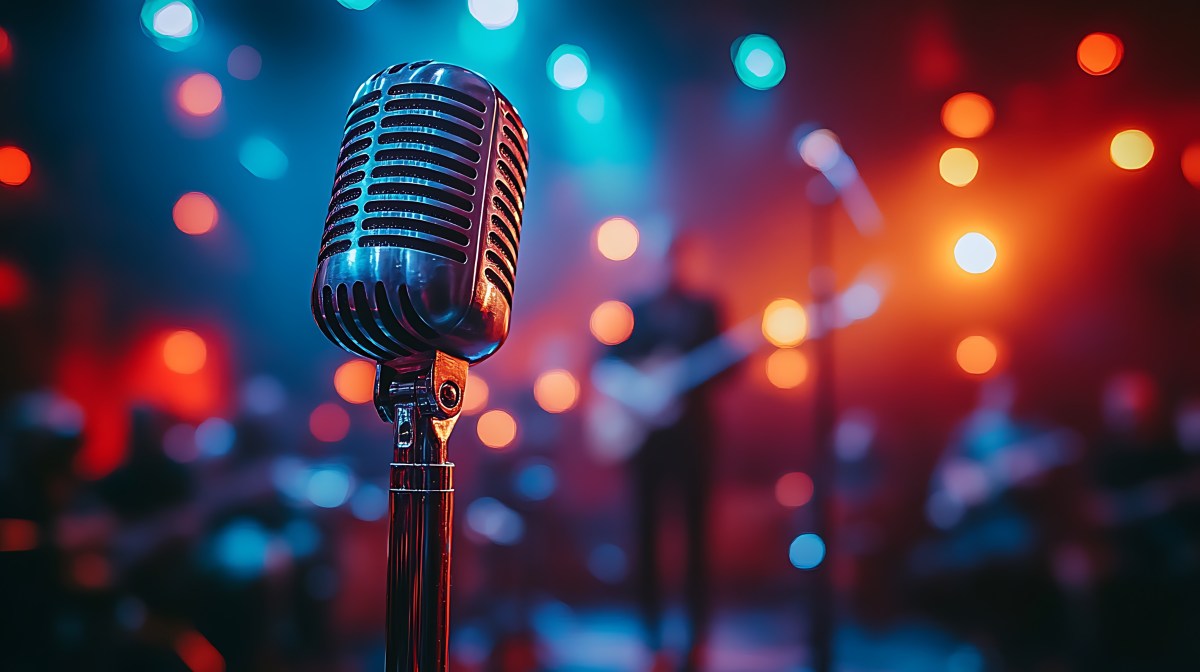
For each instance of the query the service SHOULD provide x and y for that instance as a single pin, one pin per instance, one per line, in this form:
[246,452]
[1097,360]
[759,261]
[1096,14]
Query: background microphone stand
[422,400]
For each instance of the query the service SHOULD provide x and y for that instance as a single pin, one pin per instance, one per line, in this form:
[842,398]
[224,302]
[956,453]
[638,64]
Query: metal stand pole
[824,617]
[422,401]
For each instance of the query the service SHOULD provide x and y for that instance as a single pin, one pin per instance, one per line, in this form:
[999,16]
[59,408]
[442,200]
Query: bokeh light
[475,398]
[13,286]
[617,238]
[807,551]
[214,437]
[758,61]
[355,381]
[794,489]
[787,368]
[244,62]
[496,429]
[1131,149]
[194,213]
[976,355]
[329,422]
[1190,163]
[968,115]
[184,352]
[6,50]
[860,301]
[1100,53]
[173,24]
[535,481]
[591,106]
[15,166]
[958,166]
[263,158]
[611,322]
[357,4]
[494,14]
[556,391]
[785,323]
[568,67]
[199,95]
[821,149]
[975,253]
[329,487]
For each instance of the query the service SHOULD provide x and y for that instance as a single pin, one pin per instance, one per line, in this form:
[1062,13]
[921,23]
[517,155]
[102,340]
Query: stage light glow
[974,253]
[14,288]
[476,396]
[787,368]
[536,481]
[1190,163]
[968,115]
[263,158]
[215,437]
[568,67]
[184,352]
[807,551]
[244,62]
[976,355]
[355,381]
[198,653]
[1131,149]
[494,14]
[617,238]
[1100,53]
[496,429]
[958,166]
[329,423]
[556,391]
[794,489]
[15,166]
[821,150]
[329,487]
[611,322]
[357,4]
[199,95]
[860,301]
[195,213]
[785,323]
[758,61]
[591,105]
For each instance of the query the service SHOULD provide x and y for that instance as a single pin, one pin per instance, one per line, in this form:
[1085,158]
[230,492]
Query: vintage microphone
[416,271]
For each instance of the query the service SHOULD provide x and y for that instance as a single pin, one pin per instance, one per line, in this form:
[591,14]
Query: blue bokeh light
[807,551]
[536,481]
[263,158]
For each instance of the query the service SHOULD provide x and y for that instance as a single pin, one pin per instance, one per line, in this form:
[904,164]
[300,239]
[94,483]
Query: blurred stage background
[191,477]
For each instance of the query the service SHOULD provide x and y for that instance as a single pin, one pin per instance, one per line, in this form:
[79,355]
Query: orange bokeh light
[355,381]
[617,238]
[13,286]
[787,368]
[556,391]
[194,213]
[329,422]
[1100,53]
[184,352]
[199,95]
[976,355]
[1190,163]
[496,429]
[968,115]
[476,396]
[14,166]
[785,324]
[958,166]
[794,489]
[611,322]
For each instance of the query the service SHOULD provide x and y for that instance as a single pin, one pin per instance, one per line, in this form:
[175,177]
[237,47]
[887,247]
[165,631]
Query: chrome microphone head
[420,246]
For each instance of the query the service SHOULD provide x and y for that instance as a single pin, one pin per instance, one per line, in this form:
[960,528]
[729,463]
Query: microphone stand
[422,400]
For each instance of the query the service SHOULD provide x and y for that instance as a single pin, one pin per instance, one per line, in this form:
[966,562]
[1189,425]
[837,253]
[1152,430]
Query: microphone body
[416,270]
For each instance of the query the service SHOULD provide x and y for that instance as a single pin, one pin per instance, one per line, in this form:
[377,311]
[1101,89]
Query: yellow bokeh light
[611,322]
[617,238]
[976,355]
[785,323]
[355,381]
[476,396]
[958,166]
[787,368]
[1099,53]
[556,391]
[968,115]
[1131,149]
[184,352]
[496,429]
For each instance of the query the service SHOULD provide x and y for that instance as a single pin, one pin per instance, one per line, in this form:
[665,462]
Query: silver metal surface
[420,245]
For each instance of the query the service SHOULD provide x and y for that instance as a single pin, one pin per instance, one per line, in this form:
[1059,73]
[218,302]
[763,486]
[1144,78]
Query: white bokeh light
[493,14]
[974,253]
[570,71]
[174,20]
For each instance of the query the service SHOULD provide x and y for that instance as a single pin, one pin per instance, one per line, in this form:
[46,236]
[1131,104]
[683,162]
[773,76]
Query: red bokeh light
[6,50]
[14,288]
[17,535]
[329,422]
[794,489]
[199,95]
[198,653]
[194,213]
[14,166]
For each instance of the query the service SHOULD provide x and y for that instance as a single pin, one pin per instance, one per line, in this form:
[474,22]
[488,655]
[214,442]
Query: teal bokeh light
[758,61]
[490,45]
[568,67]
[807,551]
[174,25]
[263,158]
[357,4]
